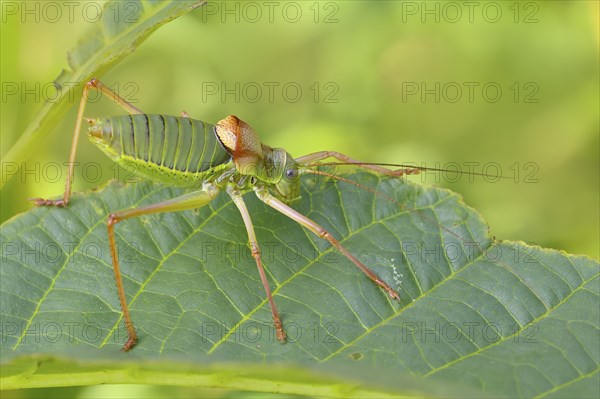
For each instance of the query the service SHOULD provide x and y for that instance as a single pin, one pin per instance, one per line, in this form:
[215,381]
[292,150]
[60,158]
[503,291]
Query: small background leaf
[498,318]
[122,27]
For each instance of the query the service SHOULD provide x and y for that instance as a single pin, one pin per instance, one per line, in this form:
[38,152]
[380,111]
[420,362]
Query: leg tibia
[184,202]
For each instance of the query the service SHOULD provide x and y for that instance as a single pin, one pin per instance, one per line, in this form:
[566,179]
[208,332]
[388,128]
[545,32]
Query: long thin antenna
[319,172]
[305,170]
[407,166]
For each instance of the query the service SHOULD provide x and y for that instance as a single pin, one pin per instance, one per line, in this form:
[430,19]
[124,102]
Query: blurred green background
[380,83]
[361,68]
[357,65]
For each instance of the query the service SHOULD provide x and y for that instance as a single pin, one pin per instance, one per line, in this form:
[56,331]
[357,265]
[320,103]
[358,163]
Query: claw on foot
[394,294]
[279,331]
[402,172]
[131,342]
[388,289]
[48,202]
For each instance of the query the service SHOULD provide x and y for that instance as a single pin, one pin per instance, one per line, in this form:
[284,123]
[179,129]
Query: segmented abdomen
[177,143]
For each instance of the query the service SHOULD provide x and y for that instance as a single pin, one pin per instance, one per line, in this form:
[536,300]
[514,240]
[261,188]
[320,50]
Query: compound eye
[291,173]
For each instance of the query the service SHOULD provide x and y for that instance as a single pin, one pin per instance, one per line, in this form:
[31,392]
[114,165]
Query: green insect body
[175,150]
[209,159]
[186,152]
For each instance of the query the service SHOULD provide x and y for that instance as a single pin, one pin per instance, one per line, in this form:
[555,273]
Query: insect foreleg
[311,225]
[94,84]
[317,156]
[239,202]
[192,200]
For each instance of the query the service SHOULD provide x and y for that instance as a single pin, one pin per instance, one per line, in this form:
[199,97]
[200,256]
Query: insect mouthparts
[95,131]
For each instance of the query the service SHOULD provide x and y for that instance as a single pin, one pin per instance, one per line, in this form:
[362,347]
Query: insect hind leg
[93,84]
[191,200]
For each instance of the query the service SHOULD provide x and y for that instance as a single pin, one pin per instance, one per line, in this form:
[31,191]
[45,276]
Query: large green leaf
[124,25]
[501,318]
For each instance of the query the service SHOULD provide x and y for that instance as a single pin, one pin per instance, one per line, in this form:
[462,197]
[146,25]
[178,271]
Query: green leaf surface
[124,25]
[477,316]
